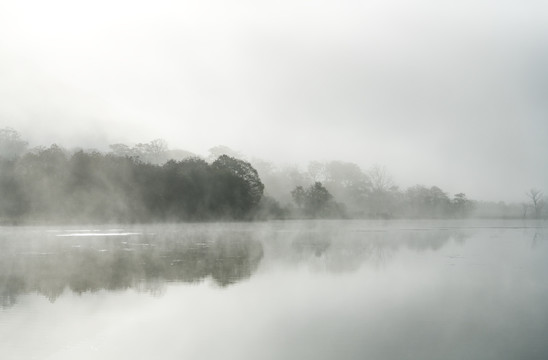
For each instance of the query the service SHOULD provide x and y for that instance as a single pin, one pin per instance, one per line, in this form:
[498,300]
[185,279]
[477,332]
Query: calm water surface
[279,290]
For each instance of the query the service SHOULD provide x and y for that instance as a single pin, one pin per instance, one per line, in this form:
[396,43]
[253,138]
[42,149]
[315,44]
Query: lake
[276,290]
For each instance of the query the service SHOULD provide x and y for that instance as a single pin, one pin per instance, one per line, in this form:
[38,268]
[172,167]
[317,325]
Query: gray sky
[447,93]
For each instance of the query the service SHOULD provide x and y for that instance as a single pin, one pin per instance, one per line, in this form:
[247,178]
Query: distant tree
[11,144]
[537,203]
[316,171]
[461,205]
[344,174]
[349,184]
[122,150]
[154,152]
[217,151]
[427,202]
[384,195]
[299,196]
[440,202]
[381,181]
[179,154]
[317,199]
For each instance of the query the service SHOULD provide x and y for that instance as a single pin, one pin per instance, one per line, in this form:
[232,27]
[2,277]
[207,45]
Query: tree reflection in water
[144,263]
[343,251]
[40,262]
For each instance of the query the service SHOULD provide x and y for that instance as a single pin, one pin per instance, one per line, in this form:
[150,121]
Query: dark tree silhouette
[51,185]
[138,184]
[187,186]
[316,201]
[244,185]
[299,196]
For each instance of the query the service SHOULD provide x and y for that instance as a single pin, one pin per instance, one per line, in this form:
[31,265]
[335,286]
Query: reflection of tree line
[49,266]
[113,264]
[539,237]
[347,251]
[148,182]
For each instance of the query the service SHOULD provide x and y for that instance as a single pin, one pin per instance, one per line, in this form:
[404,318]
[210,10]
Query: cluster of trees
[316,201]
[154,152]
[150,182]
[53,185]
[346,190]
[373,194]
[416,202]
[343,189]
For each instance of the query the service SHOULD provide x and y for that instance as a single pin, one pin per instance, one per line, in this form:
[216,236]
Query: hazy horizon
[440,93]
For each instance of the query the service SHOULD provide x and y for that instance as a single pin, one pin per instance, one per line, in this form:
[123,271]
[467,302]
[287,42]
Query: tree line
[53,185]
[149,182]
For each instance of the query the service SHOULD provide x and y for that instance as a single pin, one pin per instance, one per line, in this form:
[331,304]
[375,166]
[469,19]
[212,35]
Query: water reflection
[344,250]
[103,262]
[288,290]
[48,262]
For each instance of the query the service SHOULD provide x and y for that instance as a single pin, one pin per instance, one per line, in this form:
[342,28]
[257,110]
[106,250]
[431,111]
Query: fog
[443,93]
[278,290]
[49,261]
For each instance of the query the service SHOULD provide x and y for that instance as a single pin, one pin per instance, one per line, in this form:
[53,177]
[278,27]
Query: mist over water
[279,290]
[273,180]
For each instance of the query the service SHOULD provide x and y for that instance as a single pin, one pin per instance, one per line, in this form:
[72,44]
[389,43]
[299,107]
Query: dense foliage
[316,202]
[49,185]
[149,182]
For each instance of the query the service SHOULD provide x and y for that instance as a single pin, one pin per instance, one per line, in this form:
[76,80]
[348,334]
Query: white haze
[440,92]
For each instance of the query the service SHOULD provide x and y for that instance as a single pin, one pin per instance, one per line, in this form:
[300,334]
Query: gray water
[278,290]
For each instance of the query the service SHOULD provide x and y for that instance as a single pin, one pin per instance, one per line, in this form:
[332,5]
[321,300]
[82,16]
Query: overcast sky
[447,93]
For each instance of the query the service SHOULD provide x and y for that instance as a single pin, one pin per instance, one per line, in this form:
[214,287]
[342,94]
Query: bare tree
[317,171]
[383,192]
[380,179]
[537,202]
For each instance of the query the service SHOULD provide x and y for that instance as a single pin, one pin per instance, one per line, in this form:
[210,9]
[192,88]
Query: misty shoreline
[144,184]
